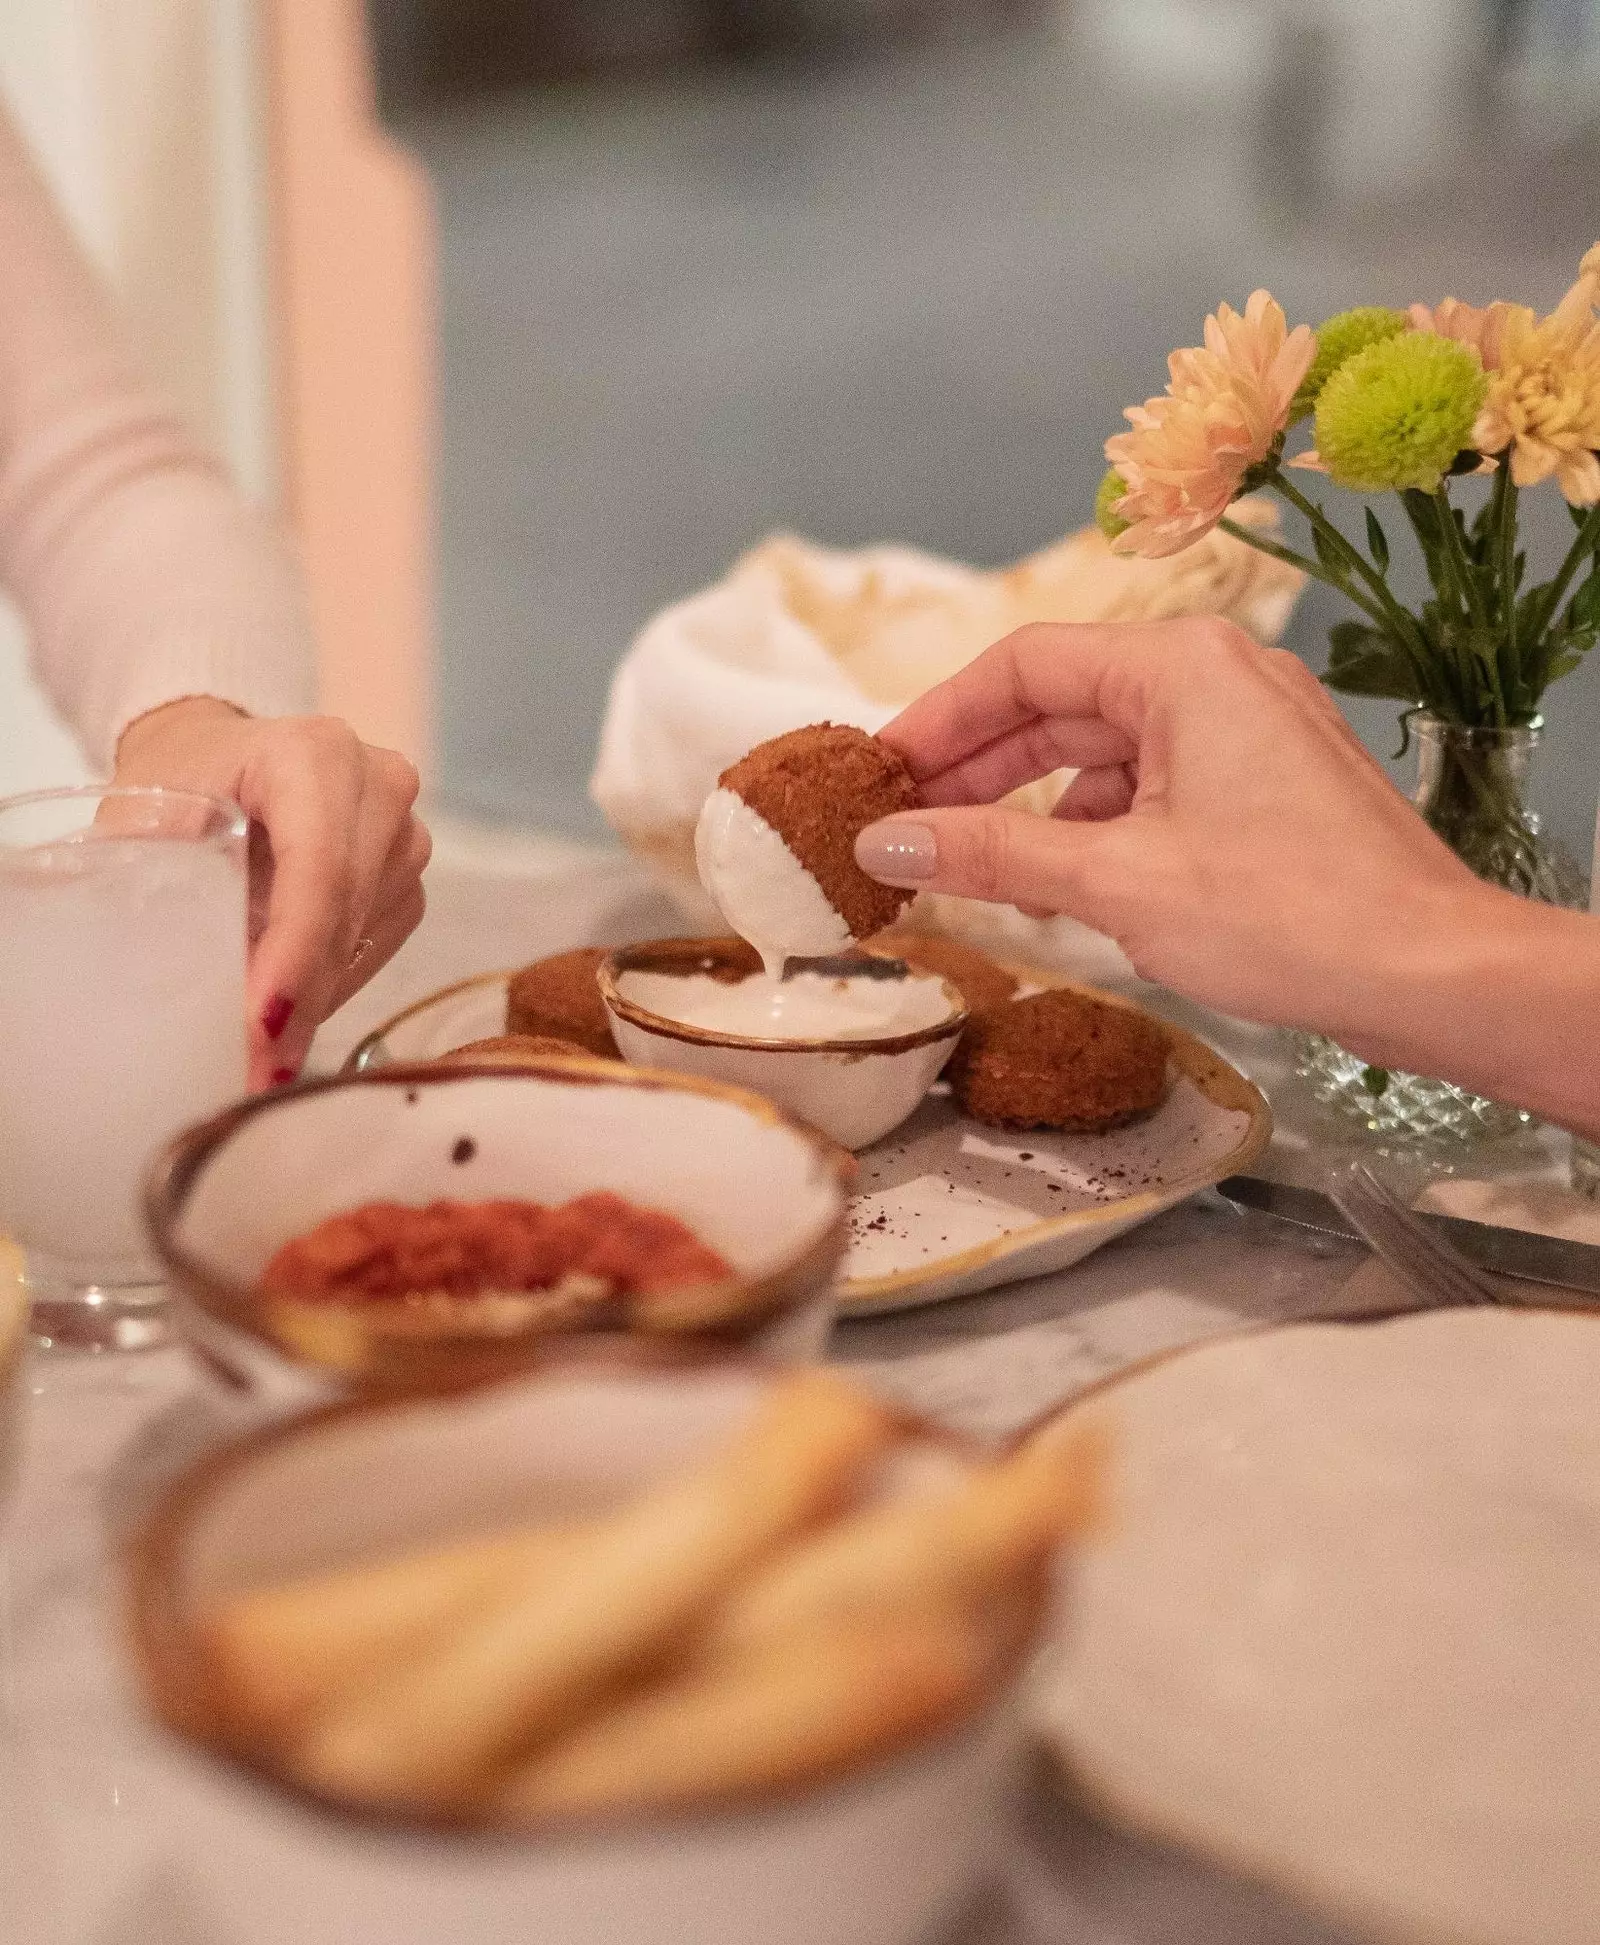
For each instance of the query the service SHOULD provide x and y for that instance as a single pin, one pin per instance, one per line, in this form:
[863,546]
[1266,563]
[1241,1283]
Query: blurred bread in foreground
[826,1584]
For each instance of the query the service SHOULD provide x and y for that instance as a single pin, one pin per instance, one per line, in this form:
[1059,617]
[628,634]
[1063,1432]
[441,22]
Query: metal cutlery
[1430,1267]
[1530,1257]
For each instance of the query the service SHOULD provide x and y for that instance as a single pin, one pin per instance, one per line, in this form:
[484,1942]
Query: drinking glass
[122,960]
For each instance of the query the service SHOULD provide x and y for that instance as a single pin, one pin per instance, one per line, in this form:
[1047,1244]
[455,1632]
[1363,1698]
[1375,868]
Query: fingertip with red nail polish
[276,1014]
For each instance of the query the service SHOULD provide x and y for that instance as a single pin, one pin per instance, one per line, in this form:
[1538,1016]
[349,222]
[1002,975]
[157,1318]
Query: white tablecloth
[92,1834]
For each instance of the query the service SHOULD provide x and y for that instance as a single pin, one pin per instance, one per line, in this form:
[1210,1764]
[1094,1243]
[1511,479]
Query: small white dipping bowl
[765,1192]
[855,1089]
[879,1857]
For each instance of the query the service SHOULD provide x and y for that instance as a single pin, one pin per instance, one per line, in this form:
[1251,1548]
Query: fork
[1433,1269]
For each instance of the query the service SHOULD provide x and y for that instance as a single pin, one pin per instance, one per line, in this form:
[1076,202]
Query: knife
[1504,1252]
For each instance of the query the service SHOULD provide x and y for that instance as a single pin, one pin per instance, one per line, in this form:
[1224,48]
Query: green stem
[1466,591]
[1446,583]
[1503,530]
[1306,566]
[1503,519]
[1444,661]
[1400,624]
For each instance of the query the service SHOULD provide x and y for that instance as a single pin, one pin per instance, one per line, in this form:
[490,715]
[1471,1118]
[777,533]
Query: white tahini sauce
[810,1006]
[761,888]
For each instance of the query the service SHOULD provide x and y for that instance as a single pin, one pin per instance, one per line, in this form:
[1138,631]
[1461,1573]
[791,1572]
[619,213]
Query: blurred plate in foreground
[1339,1633]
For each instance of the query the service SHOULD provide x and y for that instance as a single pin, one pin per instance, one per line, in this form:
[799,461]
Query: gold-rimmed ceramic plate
[946,1206]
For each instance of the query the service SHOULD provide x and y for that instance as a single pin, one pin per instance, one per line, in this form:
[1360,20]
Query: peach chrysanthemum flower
[1544,400]
[1590,267]
[1185,459]
[1478,327]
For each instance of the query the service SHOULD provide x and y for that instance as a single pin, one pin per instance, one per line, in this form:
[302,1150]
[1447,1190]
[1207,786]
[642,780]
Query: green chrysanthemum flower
[1112,488]
[1340,338]
[1397,414]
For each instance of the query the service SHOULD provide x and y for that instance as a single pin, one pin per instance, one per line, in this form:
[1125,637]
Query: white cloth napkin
[798,633]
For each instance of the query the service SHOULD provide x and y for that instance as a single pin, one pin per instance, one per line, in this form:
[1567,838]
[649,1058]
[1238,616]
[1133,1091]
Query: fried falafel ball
[776,840]
[508,1050]
[559,999]
[1060,1060]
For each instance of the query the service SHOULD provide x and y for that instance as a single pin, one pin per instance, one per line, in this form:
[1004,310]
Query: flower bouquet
[1455,411]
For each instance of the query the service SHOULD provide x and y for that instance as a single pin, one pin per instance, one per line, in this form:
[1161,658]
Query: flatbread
[1342,1631]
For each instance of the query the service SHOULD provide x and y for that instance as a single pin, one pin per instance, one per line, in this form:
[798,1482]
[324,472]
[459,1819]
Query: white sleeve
[141,574]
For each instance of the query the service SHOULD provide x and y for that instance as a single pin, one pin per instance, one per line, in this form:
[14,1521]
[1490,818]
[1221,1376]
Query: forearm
[162,587]
[1494,992]
[142,575]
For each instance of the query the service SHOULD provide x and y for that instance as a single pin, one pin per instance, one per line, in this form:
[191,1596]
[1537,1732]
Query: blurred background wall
[891,268]
[864,269]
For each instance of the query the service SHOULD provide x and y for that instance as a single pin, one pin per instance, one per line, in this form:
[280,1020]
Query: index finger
[1084,673]
[303,807]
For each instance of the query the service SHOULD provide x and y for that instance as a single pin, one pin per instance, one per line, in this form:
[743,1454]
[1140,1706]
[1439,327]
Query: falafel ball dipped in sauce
[776,840]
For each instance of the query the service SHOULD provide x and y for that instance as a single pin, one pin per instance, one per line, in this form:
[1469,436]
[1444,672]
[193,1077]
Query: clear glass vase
[1471,786]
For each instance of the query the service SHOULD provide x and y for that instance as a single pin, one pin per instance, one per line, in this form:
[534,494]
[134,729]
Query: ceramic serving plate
[946,1206]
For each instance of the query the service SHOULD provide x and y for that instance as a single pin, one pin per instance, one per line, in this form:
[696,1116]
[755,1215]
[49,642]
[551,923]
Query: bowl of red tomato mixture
[418,1228]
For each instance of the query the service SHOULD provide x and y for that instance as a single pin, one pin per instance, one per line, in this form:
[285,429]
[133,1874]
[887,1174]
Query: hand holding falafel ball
[776,840]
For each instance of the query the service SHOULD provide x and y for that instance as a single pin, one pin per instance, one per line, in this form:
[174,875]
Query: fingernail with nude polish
[897,854]
[283,1076]
[276,1015]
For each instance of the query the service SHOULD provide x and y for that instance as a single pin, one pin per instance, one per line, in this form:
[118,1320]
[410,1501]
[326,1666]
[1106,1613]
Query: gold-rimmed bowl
[883,1852]
[764,1191]
[854,1089]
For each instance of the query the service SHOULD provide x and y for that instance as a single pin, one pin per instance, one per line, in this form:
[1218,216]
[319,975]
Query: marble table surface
[92,1848]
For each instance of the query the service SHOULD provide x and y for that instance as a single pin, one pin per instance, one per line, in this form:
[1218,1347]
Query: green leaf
[1424,517]
[1364,661]
[1557,654]
[1533,612]
[1327,548]
[1519,567]
[1378,542]
[1583,610]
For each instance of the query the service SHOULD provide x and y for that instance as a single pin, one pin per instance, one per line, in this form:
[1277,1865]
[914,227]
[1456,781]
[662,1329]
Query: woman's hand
[1226,827]
[336,855]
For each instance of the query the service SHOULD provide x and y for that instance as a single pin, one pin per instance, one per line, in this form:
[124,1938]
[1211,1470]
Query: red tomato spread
[387,1249]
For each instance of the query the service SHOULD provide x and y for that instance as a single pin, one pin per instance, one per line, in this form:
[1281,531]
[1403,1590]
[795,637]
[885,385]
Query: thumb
[1006,857]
